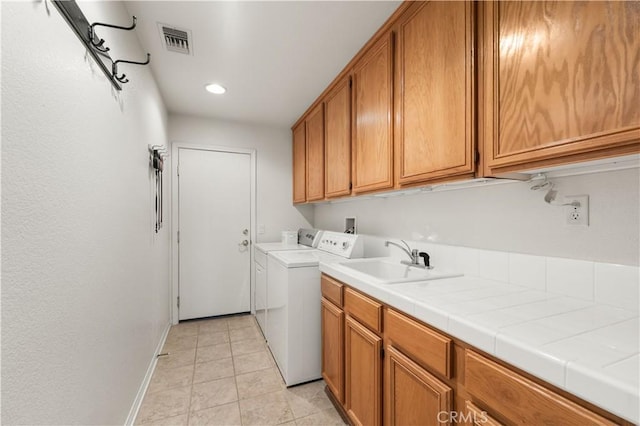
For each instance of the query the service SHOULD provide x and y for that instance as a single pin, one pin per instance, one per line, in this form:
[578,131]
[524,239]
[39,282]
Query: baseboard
[133,413]
[338,406]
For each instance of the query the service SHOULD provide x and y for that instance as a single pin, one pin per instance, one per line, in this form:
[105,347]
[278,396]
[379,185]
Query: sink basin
[389,272]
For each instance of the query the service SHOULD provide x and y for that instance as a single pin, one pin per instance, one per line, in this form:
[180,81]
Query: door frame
[175,219]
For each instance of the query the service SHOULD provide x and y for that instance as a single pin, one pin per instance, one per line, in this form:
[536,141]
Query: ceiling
[274,58]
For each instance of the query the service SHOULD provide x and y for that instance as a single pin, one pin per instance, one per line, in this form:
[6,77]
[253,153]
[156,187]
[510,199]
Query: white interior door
[214,202]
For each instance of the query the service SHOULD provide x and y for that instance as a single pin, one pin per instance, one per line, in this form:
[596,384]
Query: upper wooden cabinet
[308,157]
[299,164]
[457,90]
[315,154]
[337,148]
[372,142]
[560,82]
[434,91]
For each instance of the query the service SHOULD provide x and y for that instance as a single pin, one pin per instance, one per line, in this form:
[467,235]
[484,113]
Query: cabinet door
[338,140]
[299,164]
[333,348]
[315,154]
[412,395]
[560,82]
[363,371]
[372,150]
[435,91]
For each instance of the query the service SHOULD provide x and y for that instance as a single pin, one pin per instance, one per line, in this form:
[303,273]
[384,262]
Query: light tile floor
[220,372]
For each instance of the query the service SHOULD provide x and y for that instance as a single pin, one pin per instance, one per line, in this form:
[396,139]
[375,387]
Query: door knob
[244,243]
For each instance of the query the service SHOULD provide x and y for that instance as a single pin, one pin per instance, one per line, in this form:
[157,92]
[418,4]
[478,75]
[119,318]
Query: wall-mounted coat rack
[94,44]
[157,154]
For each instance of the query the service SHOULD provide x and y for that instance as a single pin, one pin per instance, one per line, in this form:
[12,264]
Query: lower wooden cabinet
[519,399]
[333,348]
[424,377]
[412,395]
[363,374]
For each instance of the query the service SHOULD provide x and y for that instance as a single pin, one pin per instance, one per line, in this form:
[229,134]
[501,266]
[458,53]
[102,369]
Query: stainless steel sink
[390,272]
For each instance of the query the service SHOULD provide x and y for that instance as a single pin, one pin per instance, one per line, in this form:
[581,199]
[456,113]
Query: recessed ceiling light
[215,88]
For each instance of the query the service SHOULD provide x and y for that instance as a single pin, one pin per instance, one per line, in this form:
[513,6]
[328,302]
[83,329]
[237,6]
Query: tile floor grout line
[193,377]
[317,414]
[235,375]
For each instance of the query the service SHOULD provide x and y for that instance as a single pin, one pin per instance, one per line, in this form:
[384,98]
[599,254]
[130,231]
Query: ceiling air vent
[176,40]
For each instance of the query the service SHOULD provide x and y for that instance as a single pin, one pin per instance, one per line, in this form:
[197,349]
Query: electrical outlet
[577,215]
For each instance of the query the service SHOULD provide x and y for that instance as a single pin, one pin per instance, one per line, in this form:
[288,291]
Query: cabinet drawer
[519,399]
[367,311]
[331,289]
[424,345]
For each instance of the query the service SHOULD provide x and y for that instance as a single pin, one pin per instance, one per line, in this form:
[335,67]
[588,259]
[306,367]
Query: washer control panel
[345,245]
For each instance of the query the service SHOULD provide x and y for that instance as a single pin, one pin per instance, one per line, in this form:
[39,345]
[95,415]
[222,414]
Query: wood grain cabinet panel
[315,154]
[412,395]
[333,348]
[434,95]
[331,289]
[337,152]
[426,377]
[519,399]
[430,348]
[477,417]
[363,374]
[560,82]
[299,164]
[372,140]
[367,311]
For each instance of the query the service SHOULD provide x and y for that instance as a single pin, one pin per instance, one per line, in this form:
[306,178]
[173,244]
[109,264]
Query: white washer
[307,240]
[293,285]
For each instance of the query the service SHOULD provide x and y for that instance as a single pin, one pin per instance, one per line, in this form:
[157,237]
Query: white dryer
[307,240]
[293,292]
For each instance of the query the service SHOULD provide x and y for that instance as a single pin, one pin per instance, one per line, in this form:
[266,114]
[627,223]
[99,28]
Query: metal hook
[133,62]
[160,149]
[133,25]
[122,78]
[114,73]
[99,45]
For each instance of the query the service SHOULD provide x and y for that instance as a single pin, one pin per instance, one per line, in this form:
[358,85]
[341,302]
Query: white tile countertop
[586,347]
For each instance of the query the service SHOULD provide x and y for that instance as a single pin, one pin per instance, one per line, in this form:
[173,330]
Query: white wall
[85,279]
[508,217]
[274,185]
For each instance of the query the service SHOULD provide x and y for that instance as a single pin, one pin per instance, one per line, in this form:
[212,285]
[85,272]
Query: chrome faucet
[414,255]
